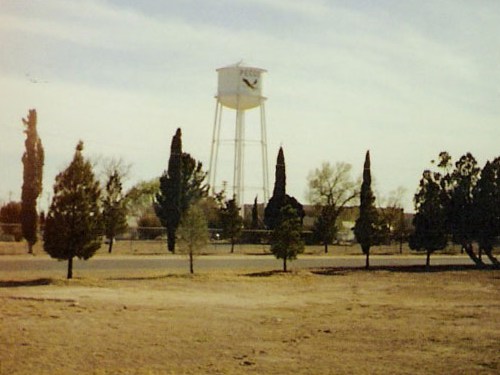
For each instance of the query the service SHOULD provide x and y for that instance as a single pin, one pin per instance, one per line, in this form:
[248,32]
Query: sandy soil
[308,322]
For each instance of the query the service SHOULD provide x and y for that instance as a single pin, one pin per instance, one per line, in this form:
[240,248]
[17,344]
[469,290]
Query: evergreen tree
[324,227]
[168,200]
[180,186]
[255,215]
[193,186]
[33,160]
[367,225]
[286,241]
[193,233]
[114,208]
[231,221]
[486,210]
[280,199]
[430,219]
[255,225]
[73,226]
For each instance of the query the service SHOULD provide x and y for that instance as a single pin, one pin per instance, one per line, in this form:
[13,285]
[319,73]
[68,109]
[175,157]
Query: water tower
[239,89]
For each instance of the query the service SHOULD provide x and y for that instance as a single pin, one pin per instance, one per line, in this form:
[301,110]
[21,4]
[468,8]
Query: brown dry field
[328,321]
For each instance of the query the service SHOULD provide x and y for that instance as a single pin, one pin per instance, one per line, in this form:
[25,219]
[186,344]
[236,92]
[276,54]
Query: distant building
[345,221]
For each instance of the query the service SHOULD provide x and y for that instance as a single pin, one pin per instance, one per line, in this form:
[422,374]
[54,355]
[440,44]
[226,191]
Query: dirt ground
[327,321]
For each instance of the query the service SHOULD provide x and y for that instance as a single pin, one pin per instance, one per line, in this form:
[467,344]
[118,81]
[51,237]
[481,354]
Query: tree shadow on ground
[153,277]
[335,271]
[20,283]
[264,273]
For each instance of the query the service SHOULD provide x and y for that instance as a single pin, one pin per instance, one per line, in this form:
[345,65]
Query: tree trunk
[325,243]
[470,252]
[171,240]
[110,248]
[367,264]
[70,268]
[491,257]
[191,268]
[480,256]
[30,248]
[232,245]
[401,245]
[284,264]
[428,261]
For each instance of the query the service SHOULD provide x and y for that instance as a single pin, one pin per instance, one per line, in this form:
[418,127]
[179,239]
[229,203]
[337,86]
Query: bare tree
[394,217]
[110,166]
[331,188]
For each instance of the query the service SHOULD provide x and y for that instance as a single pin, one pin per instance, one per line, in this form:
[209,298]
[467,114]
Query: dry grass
[158,247]
[337,322]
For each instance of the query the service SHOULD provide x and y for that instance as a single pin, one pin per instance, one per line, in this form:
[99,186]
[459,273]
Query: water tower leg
[214,152]
[238,158]
[263,142]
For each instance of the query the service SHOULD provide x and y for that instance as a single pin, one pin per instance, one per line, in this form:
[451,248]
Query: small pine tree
[114,208]
[33,159]
[193,233]
[73,226]
[286,240]
[324,228]
[231,221]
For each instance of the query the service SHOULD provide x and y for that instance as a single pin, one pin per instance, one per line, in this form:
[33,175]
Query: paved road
[9,264]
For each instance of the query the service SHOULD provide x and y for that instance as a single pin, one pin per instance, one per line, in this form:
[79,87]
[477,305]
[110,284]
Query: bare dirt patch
[232,323]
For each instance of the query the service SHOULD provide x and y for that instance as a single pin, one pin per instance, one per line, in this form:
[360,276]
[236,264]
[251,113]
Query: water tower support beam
[214,152]
[238,157]
[263,141]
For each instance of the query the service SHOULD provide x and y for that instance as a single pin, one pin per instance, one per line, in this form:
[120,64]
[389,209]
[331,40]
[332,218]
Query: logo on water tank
[252,85]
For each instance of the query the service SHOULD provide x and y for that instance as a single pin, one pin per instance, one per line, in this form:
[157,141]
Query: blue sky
[405,79]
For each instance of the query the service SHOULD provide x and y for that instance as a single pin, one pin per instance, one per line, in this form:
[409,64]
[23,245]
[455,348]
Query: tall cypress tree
[255,225]
[279,191]
[73,227]
[255,215]
[168,200]
[280,199]
[33,160]
[366,226]
[181,186]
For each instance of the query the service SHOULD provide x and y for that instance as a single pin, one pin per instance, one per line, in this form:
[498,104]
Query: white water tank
[240,86]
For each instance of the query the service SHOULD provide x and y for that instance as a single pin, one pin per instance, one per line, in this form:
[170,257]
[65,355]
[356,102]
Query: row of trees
[452,204]
[460,204]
